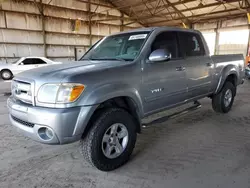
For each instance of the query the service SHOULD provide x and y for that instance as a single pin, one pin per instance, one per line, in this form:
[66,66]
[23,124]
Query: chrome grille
[22,91]
[25,123]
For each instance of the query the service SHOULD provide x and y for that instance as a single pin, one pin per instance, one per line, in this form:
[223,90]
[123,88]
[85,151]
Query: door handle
[180,68]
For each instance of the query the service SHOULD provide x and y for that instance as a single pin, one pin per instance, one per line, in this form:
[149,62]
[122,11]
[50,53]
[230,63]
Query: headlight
[59,93]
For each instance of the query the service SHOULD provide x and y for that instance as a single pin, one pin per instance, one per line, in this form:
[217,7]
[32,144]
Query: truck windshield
[125,47]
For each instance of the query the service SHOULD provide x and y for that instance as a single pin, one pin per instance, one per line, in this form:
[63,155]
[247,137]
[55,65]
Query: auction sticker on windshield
[136,37]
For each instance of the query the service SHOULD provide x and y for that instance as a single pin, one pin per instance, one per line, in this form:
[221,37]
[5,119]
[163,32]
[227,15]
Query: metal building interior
[64,30]
[203,149]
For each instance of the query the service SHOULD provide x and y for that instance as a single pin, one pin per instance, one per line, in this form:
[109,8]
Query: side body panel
[163,84]
[225,65]
[199,72]
[198,64]
[120,81]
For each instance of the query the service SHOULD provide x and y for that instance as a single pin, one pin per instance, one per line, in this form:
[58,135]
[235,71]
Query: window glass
[27,61]
[118,47]
[39,61]
[168,41]
[191,44]
[33,61]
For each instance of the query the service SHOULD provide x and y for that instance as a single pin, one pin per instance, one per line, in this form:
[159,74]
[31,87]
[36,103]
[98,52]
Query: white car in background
[7,71]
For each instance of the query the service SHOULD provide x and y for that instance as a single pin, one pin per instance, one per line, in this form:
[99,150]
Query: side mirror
[160,55]
[21,63]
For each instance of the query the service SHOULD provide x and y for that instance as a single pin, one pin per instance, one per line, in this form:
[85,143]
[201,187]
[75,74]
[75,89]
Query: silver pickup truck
[102,99]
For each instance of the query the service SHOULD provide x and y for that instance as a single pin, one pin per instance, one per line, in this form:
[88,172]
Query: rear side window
[39,61]
[191,44]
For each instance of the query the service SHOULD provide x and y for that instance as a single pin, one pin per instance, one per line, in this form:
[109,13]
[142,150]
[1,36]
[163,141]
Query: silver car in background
[7,71]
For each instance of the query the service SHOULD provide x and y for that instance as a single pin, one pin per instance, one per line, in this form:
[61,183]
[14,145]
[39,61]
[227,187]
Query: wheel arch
[125,102]
[128,104]
[6,69]
[121,95]
[230,74]
[233,78]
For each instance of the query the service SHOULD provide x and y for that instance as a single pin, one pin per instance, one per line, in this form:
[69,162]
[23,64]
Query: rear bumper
[67,125]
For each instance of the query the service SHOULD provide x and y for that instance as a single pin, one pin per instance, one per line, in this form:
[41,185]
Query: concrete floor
[201,149]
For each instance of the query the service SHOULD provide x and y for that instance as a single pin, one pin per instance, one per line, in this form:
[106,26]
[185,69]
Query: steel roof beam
[194,16]
[165,14]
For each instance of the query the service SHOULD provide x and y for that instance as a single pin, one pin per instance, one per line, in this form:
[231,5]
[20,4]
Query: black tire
[6,72]
[91,144]
[218,102]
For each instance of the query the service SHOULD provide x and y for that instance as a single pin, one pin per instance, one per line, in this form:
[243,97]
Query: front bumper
[66,124]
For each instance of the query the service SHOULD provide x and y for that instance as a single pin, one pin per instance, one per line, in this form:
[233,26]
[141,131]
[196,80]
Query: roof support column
[41,10]
[89,22]
[217,38]
[122,22]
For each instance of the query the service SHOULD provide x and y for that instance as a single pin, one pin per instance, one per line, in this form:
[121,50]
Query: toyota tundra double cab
[102,98]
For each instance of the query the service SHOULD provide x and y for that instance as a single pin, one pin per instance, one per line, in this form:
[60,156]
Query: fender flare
[110,91]
[102,94]
[227,71]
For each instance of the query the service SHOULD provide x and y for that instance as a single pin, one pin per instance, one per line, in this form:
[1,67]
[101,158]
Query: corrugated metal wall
[21,27]
[232,36]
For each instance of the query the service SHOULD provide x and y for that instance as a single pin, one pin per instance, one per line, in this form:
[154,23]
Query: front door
[26,64]
[198,64]
[164,83]
[31,63]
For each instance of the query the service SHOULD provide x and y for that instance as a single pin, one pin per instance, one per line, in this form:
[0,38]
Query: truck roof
[156,28]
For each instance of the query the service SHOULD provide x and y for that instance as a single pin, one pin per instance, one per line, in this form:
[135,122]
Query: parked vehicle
[247,71]
[102,99]
[7,71]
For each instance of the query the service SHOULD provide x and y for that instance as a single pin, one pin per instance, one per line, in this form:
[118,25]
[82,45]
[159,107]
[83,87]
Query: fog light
[45,133]
[49,133]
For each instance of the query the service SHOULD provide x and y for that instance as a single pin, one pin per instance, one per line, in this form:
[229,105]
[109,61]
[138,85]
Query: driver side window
[27,62]
[168,41]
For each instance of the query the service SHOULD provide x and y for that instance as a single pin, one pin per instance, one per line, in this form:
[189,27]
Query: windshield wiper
[113,58]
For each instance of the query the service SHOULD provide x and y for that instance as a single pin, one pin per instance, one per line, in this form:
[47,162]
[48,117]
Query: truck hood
[58,72]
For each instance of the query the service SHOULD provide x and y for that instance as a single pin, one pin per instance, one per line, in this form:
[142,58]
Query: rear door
[198,64]
[164,83]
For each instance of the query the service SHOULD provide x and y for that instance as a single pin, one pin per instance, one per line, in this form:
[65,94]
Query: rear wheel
[6,74]
[223,101]
[111,139]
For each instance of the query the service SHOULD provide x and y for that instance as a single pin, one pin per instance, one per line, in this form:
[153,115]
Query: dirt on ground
[200,149]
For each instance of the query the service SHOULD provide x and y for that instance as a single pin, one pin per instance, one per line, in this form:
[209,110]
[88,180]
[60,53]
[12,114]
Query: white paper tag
[136,37]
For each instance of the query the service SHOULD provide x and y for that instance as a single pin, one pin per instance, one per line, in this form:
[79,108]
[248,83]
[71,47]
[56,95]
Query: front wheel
[111,139]
[222,102]
[6,74]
